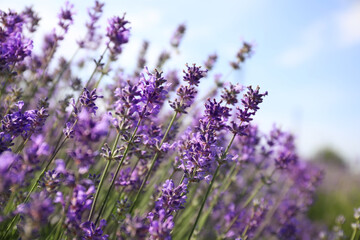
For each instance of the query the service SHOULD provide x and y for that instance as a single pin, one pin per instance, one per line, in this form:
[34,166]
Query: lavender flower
[90,231]
[209,64]
[66,16]
[15,49]
[35,214]
[80,201]
[198,152]
[87,100]
[178,35]
[47,186]
[172,198]
[187,93]
[160,225]
[193,75]
[38,149]
[68,130]
[51,181]
[5,142]
[118,34]
[163,57]
[84,157]
[250,103]
[229,95]
[11,22]
[9,176]
[32,19]
[24,124]
[244,53]
[134,228]
[92,38]
[141,59]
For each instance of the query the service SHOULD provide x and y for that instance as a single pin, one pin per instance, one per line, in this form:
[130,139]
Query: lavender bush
[143,157]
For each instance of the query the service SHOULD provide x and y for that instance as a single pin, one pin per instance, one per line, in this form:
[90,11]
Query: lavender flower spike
[87,99]
[118,34]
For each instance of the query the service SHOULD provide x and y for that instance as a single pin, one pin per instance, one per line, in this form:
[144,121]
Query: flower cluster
[118,34]
[148,158]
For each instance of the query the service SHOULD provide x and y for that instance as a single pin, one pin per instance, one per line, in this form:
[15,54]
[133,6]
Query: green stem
[152,163]
[248,200]
[52,89]
[204,201]
[104,72]
[22,145]
[270,214]
[226,184]
[3,89]
[38,179]
[97,65]
[118,169]
[104,173]
[103,176]
[211,184]
[354,231]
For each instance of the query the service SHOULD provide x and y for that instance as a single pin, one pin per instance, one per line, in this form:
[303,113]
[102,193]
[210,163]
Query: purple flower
[5,142]
[172,198]
[135,227]
[126,107]
[87,100]
[163,57]
[118,34]
[250,103]
[89,128]
[50,43]
[178,35]
[68,130]
[9,176]
[51,181]
[84,157]
[173,79]
[209,64]
[36,119]
[35,214]
[196,156]
[245,52]
[152,91]
[24,124]
[215,114]
[193,75]
[253,98]
[141,59]
[16,123]
[36,150]
[187,95]
[80,202]
[248,144]
[229,95]
[160,225]
[66,16]
[92,39]
[11,22]
[90,231]
[32,19]
[14,49]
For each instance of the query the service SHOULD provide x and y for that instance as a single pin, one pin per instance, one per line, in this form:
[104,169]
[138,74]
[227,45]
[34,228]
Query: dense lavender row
[144,157]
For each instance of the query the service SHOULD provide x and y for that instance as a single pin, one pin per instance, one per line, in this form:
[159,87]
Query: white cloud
[348,25]
[310,43]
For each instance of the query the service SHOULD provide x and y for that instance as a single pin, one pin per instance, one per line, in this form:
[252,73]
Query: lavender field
[91,148]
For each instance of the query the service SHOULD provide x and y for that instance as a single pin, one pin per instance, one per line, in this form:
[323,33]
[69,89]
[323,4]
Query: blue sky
[307,55]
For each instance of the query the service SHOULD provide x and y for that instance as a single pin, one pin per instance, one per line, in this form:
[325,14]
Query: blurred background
[307,56]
